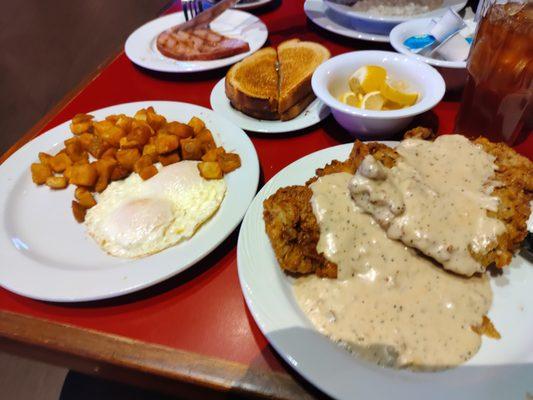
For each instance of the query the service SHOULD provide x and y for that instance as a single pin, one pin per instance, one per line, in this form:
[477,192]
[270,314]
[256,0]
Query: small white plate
[252,4]
[502,369]
[319,14]
[314,113]
[46,255]
[142,50]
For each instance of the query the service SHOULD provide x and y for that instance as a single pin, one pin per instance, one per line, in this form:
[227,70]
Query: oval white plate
[252,4]
[142,50]
[456,5]
[501,370]
[314,113]
[46,255]
[317,12]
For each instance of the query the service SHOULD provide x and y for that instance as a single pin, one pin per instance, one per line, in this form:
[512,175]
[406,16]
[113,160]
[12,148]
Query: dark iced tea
[498,96]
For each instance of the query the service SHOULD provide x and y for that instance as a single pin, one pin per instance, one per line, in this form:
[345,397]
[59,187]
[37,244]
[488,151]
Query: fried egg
[135,218]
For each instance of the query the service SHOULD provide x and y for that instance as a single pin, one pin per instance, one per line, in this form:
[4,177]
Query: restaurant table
[191,334]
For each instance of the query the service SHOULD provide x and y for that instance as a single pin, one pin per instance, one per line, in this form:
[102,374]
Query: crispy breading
[487,328]
[294,231]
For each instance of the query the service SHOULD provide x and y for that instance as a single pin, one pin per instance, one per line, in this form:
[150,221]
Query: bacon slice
[198,44]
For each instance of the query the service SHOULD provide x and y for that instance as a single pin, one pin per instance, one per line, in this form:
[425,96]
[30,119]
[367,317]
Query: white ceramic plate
[319,14]
[501,370]
[456,5]
[252,4]
[46,255]
[314,113]
[142,50]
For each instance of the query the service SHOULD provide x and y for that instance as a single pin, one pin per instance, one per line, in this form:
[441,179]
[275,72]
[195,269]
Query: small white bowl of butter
[330,83]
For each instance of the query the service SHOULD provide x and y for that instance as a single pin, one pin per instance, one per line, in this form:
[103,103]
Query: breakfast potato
[44,158]
[128,157]
[151,150]
[196,124]
[79,211]
[81,123]
[229,162]
[56,182]
[84,197]
[85,140]
[210,170]
[206,138]
[83,175]
[97,147]
[113,118]
[113,135]
[212,155]
[191,149]
[166,143]
[141,115]
[170,158]
[119,172]
[110,153]
[143,162]
[66,172]
[60,162]
[182,131]
[40,173]
[124,122]
[104,168]
[155,120]
[140,134]
[148,172]
[74,150]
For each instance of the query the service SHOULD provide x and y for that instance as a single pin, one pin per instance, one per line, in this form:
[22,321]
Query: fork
[191,8]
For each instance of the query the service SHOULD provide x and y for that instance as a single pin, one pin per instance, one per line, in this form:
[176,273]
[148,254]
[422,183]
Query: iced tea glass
[498,97]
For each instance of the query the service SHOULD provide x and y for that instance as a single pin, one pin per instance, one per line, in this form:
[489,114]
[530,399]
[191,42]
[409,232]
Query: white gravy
[388,304]
[434,199]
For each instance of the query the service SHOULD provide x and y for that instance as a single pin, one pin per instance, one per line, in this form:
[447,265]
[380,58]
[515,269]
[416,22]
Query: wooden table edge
[154,366]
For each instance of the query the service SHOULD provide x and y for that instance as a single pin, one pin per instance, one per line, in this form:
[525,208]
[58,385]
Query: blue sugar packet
[419,42]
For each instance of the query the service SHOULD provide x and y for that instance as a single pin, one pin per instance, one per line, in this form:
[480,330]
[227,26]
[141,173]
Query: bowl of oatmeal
[380,16]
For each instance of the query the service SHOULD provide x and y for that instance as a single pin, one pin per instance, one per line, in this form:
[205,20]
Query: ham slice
[198,44]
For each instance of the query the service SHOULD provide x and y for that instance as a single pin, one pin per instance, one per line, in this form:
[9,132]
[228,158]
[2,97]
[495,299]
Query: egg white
[136,218]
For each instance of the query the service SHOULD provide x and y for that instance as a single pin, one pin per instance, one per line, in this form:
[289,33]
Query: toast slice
[252,84]
[291,113]
[297,62]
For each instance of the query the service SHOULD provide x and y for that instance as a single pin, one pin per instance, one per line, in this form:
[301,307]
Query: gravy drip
[434,199]
[388,305]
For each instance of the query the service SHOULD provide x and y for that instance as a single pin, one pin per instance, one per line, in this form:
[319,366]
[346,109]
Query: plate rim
[57,134]
[278,127]
[360,35]
[173,67]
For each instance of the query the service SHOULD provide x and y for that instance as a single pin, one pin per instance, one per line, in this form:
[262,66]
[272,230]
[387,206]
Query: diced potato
[196,124]
[97,147]
[119,172]
[84,197]
[148,172]
[81,123]
[143,162]
[57,182]
[40,173]
[78,211]
[128,157]
[170,158]
[85,140]
[113,135]
[155,120]
[60,162]
[141,115]
[166,143]
[229,162]
[210,170]
[109,153]
[182,131]
[104,167]
[66,172]
[101,126]
[124,122]
[206,138]
[44,158]
[83,175]
[81,118]
[139,134]
[74,150]
[112,118]
[191,149]
[150,149]
[126,143]
[212,155]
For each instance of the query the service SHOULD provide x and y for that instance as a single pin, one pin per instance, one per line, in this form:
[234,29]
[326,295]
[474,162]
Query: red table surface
[202,310]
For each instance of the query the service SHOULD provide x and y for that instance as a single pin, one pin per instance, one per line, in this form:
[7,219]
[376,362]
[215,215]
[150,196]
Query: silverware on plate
[195,15]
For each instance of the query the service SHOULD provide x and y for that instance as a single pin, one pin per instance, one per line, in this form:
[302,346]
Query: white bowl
[382,24]
[453,72]
[330,80]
